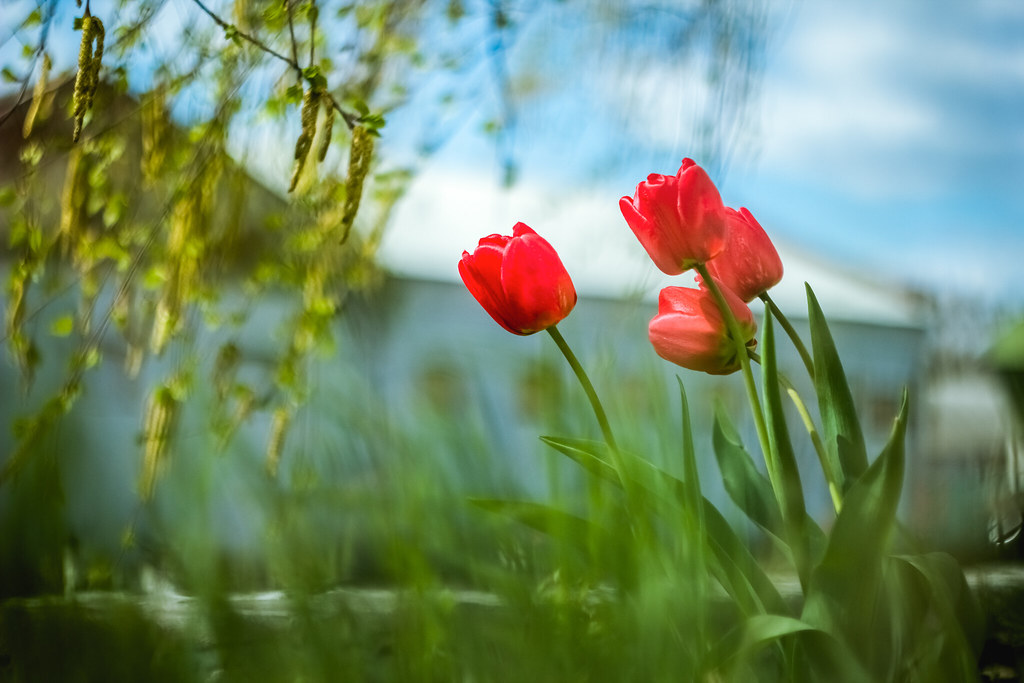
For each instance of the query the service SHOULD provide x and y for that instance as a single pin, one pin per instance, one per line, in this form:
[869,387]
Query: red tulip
[519,280]
[749,265]
[690,331]
[678,219]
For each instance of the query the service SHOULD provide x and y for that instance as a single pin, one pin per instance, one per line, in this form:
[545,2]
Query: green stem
[819,447]
[595,402]
[640,524]
[736,334]
[793,336]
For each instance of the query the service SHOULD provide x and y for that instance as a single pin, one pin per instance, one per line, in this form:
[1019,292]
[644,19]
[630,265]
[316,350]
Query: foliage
[152,261]
[869,607]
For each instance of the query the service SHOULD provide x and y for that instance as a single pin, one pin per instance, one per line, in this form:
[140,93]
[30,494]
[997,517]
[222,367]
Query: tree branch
[351,120]
[291,31]
[313,14]
[294,64]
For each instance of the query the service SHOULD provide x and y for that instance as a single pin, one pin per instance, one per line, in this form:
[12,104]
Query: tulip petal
[749,264]
[538,291]
[678,219]
[690,331]
[519,280]
[481,273]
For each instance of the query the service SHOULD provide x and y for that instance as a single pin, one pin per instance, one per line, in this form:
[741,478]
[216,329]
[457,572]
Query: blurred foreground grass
[363,561]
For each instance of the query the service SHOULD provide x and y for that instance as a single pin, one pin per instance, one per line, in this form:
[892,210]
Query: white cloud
[876,101]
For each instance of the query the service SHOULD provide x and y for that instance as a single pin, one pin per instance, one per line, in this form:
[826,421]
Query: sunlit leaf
[792,505]
[62,326]
[844,439]
[591,455]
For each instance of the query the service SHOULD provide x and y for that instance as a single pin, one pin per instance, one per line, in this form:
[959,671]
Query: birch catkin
[326,132]
[360,154]
[275,444]
[89,58]
[38,94]
[310,109]
[161,413]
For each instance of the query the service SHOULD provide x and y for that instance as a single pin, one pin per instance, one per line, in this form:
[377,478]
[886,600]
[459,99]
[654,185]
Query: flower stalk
[588,388]
[748,376]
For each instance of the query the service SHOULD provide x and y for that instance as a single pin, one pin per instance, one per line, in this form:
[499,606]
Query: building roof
[446,211]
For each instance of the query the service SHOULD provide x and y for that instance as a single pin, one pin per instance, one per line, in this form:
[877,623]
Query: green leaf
[746,486]
[787,475]
[548,520]
[844,439]
[592,455]
[8,75]
[373,121]
[293,93]
[844,588]
[693,496]
[956,608]
[62,326]
[734,567]
[737,570]
[751,636]
[361,107]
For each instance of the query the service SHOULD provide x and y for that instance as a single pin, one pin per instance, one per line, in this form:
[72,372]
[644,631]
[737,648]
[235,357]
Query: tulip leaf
[825,657]
[692,476]
[845,441]
[955,608]
[751,491]
[596,458]
[850,572]
[734,567]
[737,570]
[592,455]
[787,474]
[746,639]
[544,518]
[693,498]
[745,485]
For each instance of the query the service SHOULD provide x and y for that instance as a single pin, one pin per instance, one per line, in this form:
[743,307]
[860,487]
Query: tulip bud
[749,264]
[679,220]
[519,280]
[690,331]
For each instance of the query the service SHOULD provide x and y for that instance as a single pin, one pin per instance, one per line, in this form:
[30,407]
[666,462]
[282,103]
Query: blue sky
[886,137]
[894,134]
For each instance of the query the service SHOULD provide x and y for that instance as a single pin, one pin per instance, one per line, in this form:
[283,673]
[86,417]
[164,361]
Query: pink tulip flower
[690,331]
